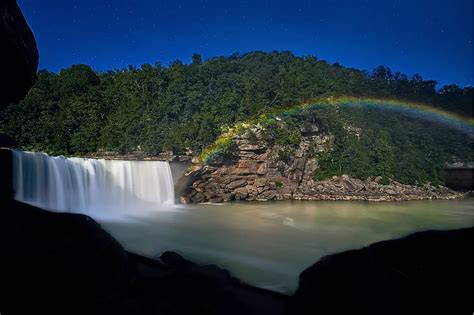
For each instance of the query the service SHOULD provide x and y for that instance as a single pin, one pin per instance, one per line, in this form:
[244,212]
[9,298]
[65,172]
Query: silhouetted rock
[57,258]
[6,176]
[424,273]
[18,54]
[62,263]
[174,260]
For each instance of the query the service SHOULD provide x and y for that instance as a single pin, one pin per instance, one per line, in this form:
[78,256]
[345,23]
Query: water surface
[268,244]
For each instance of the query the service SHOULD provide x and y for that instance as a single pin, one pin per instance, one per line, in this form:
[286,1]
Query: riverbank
[228,183]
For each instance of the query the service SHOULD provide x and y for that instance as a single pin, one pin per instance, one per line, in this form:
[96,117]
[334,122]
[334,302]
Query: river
[268,244]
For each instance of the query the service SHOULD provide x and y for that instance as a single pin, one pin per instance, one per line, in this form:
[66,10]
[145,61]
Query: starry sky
[430,37]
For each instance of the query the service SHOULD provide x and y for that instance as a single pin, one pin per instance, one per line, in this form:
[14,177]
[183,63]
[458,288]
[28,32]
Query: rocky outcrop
[259,173]
[424,273]
[18,54]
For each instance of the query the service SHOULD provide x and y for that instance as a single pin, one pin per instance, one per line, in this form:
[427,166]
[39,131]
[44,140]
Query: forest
[156,108]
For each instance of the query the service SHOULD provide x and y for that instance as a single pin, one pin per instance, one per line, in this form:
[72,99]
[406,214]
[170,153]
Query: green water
[269,244]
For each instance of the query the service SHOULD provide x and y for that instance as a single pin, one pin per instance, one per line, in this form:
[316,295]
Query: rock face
[18,54]
[257,173]
[424,273]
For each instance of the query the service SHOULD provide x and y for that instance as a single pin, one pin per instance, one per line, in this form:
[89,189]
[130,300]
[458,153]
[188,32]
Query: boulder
[241,193]
[49,257]
[236,184]
[262,169]
[198,198]
[216,199]
[424,273]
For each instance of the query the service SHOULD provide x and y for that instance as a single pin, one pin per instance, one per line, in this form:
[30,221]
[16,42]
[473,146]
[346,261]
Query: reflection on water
[269,244]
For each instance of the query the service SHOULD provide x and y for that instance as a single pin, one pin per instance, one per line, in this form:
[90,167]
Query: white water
[97,187]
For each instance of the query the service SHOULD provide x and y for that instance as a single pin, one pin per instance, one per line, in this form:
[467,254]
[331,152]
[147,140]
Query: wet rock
[227,197]
[185,199]
[216,199]
[241,193]
[198,198]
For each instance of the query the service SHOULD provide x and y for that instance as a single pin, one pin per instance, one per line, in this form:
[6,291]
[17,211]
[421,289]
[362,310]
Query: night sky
[430,37]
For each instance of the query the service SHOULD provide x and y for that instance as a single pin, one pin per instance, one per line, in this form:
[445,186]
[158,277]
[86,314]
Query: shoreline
[385,199]
[221,184]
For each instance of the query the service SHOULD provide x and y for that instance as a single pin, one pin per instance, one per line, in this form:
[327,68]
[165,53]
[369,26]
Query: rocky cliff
[258,170]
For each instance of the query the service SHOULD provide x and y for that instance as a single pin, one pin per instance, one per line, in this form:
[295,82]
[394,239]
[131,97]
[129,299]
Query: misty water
[268,244]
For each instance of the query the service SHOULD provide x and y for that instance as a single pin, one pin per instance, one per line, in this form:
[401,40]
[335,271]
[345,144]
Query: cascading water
[95,187]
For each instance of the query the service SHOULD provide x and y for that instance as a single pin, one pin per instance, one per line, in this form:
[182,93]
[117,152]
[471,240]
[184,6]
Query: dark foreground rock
[18,54]
[425,273]
[58,263]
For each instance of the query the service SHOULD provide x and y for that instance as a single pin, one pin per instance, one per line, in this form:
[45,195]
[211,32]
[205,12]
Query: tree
[196,59]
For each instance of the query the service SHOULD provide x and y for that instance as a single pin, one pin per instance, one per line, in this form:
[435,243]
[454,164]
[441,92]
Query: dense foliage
[373,142]
[156,108]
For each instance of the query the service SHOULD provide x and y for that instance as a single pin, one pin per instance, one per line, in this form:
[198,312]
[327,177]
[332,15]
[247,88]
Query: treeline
[156,108]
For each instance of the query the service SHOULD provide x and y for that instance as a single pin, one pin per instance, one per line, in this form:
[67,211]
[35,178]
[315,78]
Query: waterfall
[91,186]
